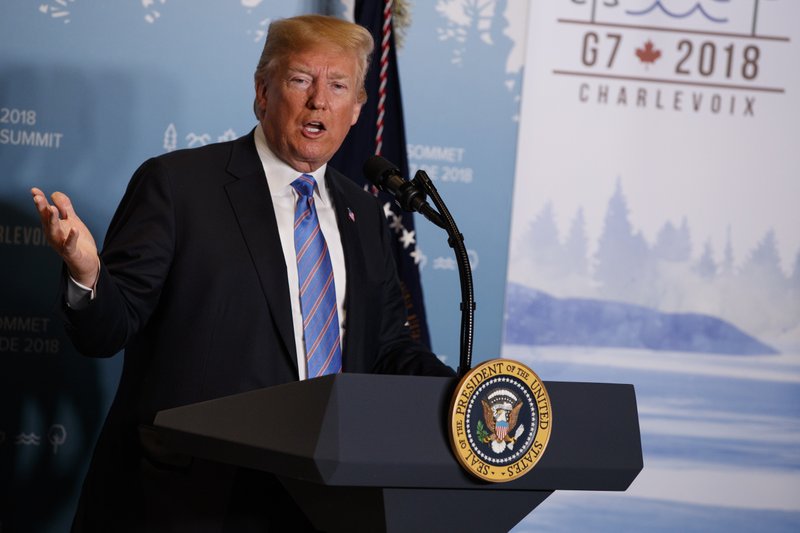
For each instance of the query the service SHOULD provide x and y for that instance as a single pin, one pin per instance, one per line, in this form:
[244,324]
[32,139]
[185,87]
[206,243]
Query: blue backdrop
[90,89]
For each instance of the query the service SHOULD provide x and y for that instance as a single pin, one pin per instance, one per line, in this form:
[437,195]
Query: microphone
[386,177]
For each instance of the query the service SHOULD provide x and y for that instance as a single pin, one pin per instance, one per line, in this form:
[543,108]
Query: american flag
[361,143]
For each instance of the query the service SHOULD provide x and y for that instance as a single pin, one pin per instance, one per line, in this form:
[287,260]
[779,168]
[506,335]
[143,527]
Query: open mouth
[314,127]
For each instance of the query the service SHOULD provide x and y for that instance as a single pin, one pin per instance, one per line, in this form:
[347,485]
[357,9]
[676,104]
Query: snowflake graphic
[462,17]
[227,135]
[471,22]
[193,139]
[444,263]
[260,33]
[250,4]
[152,14]
[57,9]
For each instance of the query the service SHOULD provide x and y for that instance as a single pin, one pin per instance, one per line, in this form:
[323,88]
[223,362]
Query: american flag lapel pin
[351,215]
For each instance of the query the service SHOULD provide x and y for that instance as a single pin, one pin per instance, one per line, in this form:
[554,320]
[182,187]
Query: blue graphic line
[697,7]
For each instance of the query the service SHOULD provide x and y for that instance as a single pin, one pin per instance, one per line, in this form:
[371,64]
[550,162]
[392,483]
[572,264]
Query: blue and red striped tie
[317,288]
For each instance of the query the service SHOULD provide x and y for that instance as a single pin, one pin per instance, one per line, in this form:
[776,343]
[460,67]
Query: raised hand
[68,236]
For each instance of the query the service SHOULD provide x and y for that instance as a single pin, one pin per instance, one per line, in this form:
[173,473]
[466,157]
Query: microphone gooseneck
[411,196]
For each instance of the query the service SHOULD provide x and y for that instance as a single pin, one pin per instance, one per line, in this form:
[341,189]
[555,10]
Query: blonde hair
[301,33]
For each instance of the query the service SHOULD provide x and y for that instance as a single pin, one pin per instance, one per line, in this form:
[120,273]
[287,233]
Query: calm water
[720,435]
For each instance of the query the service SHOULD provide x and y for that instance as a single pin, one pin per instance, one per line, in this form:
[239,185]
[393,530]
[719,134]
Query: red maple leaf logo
[648,54]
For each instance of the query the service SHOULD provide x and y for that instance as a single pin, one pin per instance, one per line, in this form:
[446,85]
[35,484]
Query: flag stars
[397,225]
[417,255]
[407,238]
[395,221]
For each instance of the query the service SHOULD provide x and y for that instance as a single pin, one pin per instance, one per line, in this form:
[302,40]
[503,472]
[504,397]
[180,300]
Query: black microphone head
[377,169]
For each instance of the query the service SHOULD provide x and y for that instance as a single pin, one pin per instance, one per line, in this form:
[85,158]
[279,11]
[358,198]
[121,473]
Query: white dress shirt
[284,198]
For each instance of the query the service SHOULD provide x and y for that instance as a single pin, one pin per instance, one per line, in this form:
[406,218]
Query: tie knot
[304,185]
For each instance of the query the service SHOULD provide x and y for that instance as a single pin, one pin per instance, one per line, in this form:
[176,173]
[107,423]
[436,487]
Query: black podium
[371,453]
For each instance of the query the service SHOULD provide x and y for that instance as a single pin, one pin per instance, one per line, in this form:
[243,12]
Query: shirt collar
[280,175]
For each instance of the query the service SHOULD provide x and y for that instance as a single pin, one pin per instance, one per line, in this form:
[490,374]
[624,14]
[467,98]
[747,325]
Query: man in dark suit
[199,283]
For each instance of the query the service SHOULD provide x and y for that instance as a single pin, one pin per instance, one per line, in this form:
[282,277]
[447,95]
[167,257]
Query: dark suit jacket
[193,287]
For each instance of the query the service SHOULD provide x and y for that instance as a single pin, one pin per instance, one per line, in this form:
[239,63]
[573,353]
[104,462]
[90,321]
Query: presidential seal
[500,420]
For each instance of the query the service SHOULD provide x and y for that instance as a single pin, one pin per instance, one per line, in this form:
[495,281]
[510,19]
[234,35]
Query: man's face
[309,105]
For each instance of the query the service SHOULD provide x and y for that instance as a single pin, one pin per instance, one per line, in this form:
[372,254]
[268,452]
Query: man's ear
[261,97]
[356,112]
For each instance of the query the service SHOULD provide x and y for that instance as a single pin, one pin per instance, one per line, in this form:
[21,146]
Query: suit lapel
[250,198]
[354,263]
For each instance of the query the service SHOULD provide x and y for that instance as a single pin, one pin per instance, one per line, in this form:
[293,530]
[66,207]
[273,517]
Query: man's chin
[311,160]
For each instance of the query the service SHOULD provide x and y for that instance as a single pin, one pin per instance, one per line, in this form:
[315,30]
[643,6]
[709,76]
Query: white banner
[655,240]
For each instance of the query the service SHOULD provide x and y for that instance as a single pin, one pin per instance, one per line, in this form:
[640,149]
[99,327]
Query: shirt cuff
[78,295]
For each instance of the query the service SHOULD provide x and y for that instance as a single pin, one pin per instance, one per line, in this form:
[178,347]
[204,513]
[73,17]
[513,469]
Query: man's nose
[318,96]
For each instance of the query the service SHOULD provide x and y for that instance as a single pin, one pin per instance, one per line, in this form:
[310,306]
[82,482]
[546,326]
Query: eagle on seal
[501,419]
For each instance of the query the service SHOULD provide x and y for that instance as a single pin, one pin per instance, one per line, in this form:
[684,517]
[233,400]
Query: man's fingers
[54,217]
[40,202]
[52,227]
[71,242]
[64,204]
[62,230]
[37,194]
[48,215]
